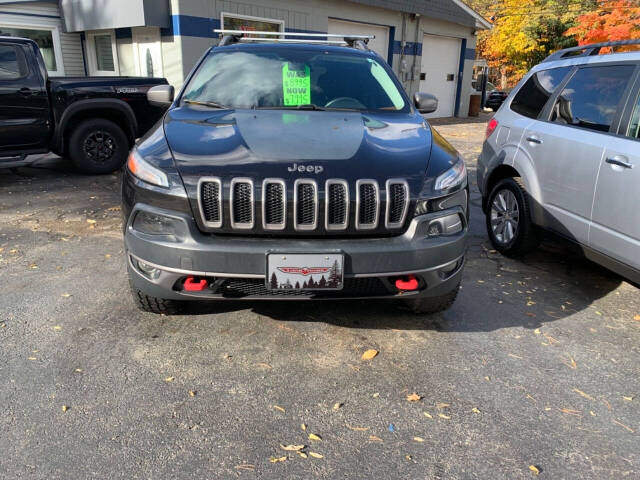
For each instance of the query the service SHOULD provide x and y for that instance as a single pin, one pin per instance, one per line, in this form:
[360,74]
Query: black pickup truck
[92,120]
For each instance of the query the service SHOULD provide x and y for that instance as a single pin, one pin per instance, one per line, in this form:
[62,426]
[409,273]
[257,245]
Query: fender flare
[98,104]
[523,164]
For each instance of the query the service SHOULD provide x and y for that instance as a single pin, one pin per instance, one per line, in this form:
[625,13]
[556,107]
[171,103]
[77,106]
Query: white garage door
[380,44]
[439,68]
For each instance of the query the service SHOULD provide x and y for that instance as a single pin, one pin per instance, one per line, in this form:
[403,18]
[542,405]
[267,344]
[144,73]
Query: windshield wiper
[206,104]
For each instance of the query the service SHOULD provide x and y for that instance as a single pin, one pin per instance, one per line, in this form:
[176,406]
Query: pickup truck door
[24,112]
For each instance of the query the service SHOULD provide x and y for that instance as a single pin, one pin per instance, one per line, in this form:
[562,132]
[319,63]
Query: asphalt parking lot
[534,371]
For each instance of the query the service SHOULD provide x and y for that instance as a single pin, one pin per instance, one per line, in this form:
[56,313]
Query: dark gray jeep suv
[294,171]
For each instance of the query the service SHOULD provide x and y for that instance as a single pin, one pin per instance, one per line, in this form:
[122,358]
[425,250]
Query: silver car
[563,154]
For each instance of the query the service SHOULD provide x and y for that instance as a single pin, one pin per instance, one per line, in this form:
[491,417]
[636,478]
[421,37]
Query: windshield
[294,78]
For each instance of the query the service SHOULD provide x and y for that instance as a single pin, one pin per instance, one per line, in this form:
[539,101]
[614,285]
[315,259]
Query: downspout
[403,44]
[415,54]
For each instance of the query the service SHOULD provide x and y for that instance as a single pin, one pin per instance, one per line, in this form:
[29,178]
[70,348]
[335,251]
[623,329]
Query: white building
[430,44]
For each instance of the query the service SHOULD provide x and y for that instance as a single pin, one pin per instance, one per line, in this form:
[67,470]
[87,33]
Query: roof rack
[587,50]
[235,36]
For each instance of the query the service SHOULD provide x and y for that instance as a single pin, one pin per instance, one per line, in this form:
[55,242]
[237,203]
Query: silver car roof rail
[587,50]
[235,36]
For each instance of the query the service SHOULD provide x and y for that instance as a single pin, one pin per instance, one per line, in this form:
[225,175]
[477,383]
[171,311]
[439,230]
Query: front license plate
[302,271]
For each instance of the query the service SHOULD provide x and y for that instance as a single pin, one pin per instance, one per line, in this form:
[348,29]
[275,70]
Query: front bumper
[235,265]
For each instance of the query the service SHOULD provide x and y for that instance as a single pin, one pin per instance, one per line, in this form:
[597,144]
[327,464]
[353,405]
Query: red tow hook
[408,283]
[190,285]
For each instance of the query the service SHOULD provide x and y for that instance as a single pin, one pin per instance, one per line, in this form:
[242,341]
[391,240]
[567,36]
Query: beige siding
[48,15]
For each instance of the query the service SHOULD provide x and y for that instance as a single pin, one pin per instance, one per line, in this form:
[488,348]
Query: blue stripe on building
[470,54]
[410,48]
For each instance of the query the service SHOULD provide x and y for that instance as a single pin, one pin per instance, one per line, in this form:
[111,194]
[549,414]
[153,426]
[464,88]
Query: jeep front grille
[303,206]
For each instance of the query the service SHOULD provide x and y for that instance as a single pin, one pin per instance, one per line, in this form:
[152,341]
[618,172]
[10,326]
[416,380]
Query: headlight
[145,171]
[452,177]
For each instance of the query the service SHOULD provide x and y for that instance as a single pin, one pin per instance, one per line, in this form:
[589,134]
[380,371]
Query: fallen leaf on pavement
[57,328]
[357,429]
[623,426]
[513,355]
[537,331]
[313,436]
[571,363]
[316,455]
[475,410]
[376,395]
[373,438]
[570,411]
[302,454]
[192,393]
[628,399]
[442,415]
[278,459]
[441,405]
[414,397]
[90,221]
[291,448]
[66,295]
[246,466]
[64,408]
[303,427]
[337,406]
[369,354]
[418,439]
[278,407]
[263,365]
[169,379]
[582,394]
[637,318]
[427,414]
[534,469]
[31,358]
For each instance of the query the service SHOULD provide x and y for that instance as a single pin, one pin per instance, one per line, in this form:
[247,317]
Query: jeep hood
[268,143]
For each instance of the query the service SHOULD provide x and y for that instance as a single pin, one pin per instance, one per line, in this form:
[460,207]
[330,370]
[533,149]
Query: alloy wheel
[505,216]
[99,146]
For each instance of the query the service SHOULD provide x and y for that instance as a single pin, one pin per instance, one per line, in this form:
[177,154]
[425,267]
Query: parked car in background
[294,171]
[495,99]
[92,120]
[563,154]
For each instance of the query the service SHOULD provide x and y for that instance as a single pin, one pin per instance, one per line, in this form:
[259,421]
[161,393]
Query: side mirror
[160,95]
[425,102]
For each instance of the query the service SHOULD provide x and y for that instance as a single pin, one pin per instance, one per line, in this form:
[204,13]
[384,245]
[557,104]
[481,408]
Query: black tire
[98,146]
[433,304]
[147,303]
[526,236]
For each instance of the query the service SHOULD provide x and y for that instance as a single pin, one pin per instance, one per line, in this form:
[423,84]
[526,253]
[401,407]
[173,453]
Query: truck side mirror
[424,102]
[161,95]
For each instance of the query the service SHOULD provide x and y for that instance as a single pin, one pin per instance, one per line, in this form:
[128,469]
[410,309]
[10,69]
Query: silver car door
[567,149]
[615,229]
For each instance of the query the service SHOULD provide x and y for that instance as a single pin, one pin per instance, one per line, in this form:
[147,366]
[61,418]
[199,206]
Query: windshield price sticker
[296,86]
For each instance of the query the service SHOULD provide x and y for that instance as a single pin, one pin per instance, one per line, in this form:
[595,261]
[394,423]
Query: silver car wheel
[505,216]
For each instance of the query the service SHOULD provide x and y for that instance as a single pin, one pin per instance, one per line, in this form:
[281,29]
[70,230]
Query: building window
[102,54]
[47,40]
[231,21]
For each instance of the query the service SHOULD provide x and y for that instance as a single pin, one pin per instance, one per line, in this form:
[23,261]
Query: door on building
[380,44]
[439,72]
[147,51]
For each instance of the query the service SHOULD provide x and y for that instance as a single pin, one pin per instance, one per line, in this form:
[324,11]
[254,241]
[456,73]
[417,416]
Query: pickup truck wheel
[508,219]
[98,146]
[433,304]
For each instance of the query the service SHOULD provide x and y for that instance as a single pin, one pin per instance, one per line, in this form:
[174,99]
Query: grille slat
[353,287]
[274,204]
[397,203]
[241,203]
[368,204]
[210,196]
[337,204]
[306,205]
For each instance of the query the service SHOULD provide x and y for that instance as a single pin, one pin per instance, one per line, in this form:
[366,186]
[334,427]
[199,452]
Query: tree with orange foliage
[612,20]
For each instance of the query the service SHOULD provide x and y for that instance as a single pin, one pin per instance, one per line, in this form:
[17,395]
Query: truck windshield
[294,78]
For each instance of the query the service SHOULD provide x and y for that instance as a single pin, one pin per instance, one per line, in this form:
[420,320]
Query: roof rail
[235,36]
[588,50]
